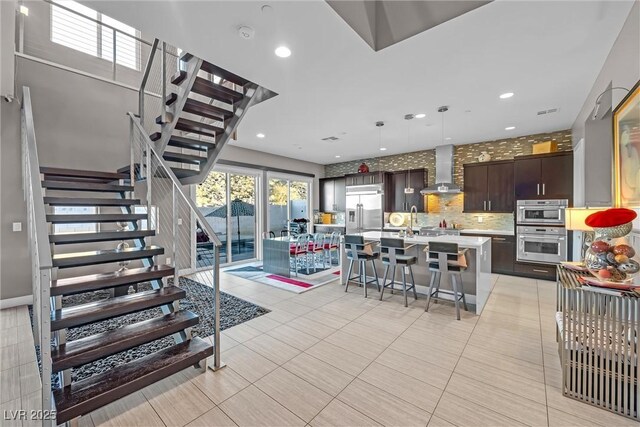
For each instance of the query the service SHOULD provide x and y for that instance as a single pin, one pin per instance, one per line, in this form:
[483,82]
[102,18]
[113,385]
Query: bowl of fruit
[610,257]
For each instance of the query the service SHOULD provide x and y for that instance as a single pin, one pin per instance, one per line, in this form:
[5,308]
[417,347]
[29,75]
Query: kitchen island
[477,280]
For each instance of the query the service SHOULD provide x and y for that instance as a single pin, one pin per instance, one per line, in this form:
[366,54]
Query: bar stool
[355,249]
[268,235]
[396,254]
[316,247]
[443,258]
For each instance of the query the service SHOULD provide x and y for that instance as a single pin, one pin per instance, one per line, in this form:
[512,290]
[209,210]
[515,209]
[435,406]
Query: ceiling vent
[330,138]
[549,111]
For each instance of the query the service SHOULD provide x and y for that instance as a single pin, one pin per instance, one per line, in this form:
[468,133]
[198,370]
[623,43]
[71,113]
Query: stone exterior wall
[450,206]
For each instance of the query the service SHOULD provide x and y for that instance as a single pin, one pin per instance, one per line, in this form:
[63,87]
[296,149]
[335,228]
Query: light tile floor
[327,357]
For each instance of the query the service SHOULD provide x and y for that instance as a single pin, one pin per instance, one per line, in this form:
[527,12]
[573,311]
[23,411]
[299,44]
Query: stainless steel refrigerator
[365,208]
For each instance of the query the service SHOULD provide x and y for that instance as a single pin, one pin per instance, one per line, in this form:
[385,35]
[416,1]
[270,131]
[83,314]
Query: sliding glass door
[227,200]
[288,204]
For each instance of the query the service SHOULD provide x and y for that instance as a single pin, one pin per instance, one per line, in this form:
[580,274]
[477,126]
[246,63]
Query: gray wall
[620,69]
[80,123]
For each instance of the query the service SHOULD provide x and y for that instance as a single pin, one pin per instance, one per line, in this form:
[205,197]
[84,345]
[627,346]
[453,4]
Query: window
[81,32]
[75,228]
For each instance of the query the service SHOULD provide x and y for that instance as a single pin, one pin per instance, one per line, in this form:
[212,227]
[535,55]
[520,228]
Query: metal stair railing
[180,226]
[42,271]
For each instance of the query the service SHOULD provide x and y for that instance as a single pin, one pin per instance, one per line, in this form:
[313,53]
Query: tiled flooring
[327,357]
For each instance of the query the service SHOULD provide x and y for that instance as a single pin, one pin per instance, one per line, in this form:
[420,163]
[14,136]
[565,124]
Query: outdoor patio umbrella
[238,209]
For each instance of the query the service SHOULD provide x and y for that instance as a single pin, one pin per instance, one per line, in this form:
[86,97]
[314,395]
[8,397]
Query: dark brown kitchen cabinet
[332,195]
[396,200]
[544,176]
[488,187]
[368,178]
[503,252]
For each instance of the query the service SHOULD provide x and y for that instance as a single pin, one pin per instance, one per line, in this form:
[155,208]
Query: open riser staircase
[141,230]
[119,242]
[203,106]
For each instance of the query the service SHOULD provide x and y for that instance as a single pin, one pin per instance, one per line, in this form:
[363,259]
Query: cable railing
[42,271]
[62,36]
[180,226]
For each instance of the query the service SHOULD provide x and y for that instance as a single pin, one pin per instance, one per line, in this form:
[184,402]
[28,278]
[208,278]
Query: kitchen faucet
[414,209]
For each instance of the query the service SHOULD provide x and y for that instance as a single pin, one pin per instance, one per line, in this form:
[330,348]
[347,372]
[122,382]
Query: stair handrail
[145,78]
[38,233]
[156,165]
[176,182]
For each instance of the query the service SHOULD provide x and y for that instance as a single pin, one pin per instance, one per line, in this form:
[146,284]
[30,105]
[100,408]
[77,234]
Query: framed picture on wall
[626,150]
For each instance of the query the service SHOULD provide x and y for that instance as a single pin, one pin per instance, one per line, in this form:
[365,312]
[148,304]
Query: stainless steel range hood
[444,173]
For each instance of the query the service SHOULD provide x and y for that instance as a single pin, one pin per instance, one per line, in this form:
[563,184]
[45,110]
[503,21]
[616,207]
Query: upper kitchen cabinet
[332,195]
[368,178]
[396,199]
[544,176]
[488,187]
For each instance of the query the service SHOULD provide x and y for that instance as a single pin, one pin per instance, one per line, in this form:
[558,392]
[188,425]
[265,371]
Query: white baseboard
[15,302]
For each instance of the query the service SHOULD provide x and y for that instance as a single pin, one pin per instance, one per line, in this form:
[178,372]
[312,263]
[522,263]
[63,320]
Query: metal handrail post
[163,112]
[145,78]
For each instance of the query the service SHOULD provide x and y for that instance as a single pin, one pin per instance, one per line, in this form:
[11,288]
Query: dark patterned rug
[199,300]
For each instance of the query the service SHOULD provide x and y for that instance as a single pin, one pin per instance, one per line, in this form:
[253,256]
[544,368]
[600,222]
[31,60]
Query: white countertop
[329,225]
[462,241]
[391,227]
[492,232]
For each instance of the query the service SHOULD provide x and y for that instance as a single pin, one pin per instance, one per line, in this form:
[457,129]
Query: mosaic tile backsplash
[449,206]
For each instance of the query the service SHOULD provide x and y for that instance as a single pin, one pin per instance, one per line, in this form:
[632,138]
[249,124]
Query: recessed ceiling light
[383,149]
[448,138]
[420,116]
[510,128]
[337,157]
[283,52]
[260,135]
[506,95]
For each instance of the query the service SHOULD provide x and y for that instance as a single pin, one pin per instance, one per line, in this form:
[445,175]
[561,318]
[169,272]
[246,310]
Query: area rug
[299,284]
[199,300]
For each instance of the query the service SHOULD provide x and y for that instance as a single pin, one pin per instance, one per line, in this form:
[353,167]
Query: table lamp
[575,221]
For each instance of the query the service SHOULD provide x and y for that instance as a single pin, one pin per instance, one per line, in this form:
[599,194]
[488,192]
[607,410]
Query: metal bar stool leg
[430,292]
[375,274]
[364,272]
[413,284]
[404,287]
[454,285]
[384,280]
[349,271]
[393,279]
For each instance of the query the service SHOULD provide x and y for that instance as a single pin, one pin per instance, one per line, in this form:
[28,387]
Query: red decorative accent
[610,218]
[363,168]
[290,281]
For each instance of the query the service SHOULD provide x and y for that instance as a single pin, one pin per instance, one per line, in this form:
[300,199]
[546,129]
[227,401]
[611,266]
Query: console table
[598,331]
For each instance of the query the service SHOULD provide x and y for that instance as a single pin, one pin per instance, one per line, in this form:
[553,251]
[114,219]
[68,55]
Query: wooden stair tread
[221,72]
[103,256]
[85,350]
[85,186]
[83,314]
[102,236]
[85,396]
[212,90]
[90,218]
[94,282]
[182,142]
[184,173]
[187,125]
[89,201]
[183,158]
[206,110]
[77,173]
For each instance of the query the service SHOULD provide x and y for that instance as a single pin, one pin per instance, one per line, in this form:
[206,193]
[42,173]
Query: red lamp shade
[610,218]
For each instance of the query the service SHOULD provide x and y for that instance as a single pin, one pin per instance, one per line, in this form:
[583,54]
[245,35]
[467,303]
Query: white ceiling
[547,52]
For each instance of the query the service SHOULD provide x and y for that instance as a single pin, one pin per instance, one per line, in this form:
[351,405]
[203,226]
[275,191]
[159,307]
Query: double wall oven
[541,235]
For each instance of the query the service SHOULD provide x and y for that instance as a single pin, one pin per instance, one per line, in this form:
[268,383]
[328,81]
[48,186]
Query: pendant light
[408,189]
[379,125]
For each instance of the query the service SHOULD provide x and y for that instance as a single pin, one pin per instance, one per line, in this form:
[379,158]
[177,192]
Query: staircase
[203,106]
[110,191]
[198,108]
